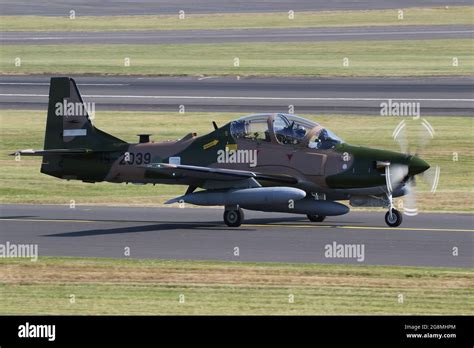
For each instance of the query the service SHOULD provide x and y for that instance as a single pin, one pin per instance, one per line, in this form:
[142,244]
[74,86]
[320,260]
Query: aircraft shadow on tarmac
[169,226]
[137,229]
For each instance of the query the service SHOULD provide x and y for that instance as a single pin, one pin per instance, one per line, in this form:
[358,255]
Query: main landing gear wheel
[394,218]
[233,217]
[316,218]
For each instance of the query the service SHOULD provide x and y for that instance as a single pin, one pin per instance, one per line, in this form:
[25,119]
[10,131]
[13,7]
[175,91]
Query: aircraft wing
[218,174]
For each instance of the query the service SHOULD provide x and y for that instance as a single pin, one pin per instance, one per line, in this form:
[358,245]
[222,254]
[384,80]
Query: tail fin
[73,147]
[68,124]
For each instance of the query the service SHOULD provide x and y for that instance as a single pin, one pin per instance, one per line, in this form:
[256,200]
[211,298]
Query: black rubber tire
[316,218]
[396,219]
[234,218]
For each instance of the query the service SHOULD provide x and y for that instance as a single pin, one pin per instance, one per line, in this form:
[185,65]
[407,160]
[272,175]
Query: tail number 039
[131,158]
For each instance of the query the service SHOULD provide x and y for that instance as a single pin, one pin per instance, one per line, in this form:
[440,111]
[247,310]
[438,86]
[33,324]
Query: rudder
[68,123]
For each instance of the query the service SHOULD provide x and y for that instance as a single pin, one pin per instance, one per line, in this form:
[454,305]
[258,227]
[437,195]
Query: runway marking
[25,83]
[364,227]
[52,220]
[253,225]
[47,84]
[206,78]
[252,35]
[241,98]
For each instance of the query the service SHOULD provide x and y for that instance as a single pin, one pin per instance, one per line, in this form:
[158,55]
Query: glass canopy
[286,129]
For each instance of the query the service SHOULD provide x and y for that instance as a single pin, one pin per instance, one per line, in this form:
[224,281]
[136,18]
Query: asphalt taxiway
[148,7]
[151,37]
[200,234]
[436,95]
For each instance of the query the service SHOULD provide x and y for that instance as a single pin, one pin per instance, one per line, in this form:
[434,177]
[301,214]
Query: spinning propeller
[397,174]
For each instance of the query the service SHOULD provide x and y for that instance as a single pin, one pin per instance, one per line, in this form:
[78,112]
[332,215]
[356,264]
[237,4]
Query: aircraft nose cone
[417,165]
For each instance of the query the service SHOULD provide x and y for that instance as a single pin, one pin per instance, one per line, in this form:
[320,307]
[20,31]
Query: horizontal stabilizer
[31,152]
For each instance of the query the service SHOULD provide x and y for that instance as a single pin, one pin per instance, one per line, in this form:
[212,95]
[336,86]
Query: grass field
[411,16]
[23,183]
[366,58]
[153,287]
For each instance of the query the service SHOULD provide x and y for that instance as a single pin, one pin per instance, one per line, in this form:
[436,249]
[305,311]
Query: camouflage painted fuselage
[282,154]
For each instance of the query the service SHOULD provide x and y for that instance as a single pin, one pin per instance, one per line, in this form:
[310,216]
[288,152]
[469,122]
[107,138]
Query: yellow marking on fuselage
[231,147]
[210,144]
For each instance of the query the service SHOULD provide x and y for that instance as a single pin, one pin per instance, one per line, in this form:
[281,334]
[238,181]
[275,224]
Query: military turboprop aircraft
[266,162]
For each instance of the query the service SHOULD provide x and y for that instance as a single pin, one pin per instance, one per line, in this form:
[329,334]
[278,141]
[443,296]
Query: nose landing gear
[393,217]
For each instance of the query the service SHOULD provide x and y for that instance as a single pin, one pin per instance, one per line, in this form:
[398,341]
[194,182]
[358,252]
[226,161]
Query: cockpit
[284,129]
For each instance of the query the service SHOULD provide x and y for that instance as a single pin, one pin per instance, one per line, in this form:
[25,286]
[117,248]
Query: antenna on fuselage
[215,125]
